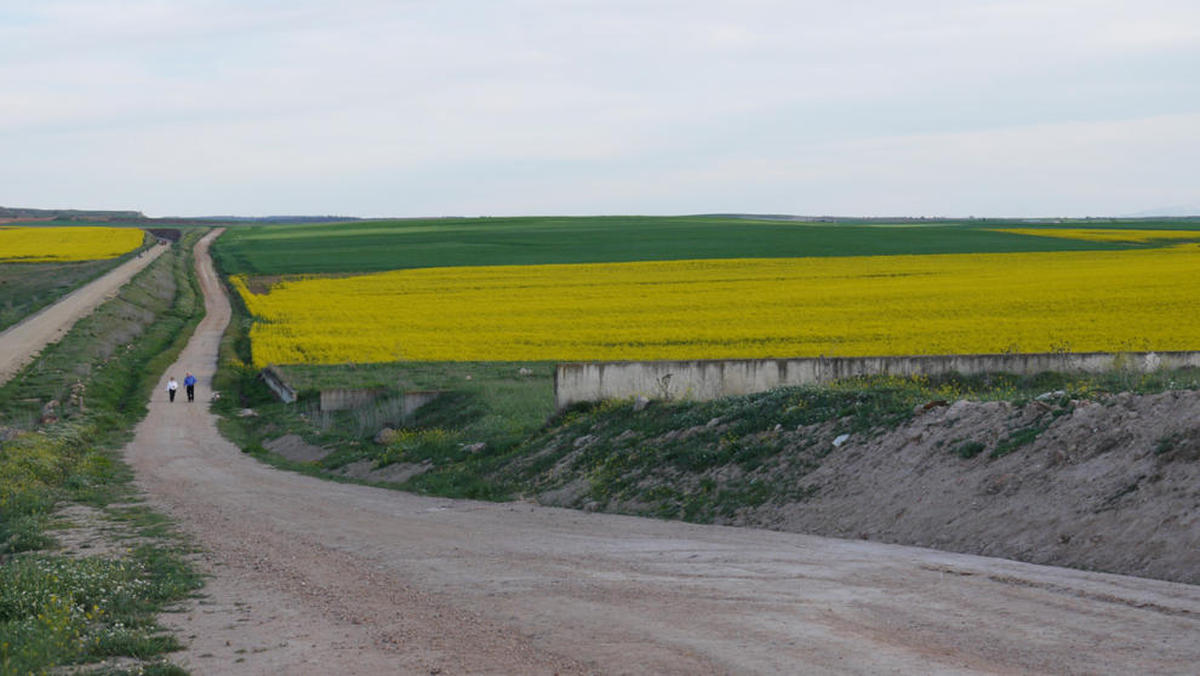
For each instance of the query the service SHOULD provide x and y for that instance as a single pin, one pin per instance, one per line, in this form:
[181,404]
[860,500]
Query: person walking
[172,385]
[189,381]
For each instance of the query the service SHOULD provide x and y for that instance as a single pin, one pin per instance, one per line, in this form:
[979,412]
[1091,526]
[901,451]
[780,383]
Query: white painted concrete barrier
[703,380]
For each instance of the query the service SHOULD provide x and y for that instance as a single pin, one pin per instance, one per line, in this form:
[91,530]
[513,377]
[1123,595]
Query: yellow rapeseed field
[67,243]
[740,308]
[1106,235]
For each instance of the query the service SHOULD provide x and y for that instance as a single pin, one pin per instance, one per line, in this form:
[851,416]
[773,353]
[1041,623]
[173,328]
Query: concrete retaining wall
[343,399]
[418,398]
[712,379]
[346,399]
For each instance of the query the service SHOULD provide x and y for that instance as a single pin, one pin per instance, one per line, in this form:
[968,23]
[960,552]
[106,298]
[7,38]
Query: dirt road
[319,577]
[20,343]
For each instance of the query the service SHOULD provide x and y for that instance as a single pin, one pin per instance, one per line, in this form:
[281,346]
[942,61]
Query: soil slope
[312,577]
[1110,485]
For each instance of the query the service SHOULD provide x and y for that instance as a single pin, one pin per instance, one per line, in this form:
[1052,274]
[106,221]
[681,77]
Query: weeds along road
[20,343]
[317,577]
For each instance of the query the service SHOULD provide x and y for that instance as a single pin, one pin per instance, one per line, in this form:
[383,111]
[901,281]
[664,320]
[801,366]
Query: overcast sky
[447,107]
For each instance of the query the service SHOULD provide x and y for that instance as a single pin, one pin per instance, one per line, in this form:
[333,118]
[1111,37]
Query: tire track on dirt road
[312,576]
[20,343]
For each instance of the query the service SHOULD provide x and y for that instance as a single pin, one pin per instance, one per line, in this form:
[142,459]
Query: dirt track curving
[20,343]
[317,577]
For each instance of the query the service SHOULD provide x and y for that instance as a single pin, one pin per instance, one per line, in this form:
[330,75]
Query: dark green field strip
[369,246]
[26,288]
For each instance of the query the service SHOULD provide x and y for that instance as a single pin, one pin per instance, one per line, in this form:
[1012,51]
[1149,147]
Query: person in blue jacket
[189,381]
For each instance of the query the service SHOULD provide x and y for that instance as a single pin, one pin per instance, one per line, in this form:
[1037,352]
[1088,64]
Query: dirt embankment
[1110,485]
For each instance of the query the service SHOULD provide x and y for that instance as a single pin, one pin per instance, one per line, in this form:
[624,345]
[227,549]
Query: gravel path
[317,577]
[20,343]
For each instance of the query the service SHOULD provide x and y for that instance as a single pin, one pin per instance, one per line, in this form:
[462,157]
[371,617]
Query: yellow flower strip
[1103,235]
[739,308]
[66,243]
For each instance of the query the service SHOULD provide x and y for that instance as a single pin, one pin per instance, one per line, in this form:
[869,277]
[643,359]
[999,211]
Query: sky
[531,107]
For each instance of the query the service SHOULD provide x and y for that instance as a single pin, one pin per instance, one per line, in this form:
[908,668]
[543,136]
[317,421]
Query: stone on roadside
[385,436]
[640,404]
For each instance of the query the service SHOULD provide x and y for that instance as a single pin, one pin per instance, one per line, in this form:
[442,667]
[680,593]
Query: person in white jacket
[172,385]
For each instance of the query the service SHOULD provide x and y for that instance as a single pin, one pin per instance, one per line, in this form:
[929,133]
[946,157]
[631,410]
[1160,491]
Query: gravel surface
[318,577]
[20,343]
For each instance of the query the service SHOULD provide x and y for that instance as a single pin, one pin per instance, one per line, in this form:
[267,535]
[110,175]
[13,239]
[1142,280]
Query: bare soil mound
[1110,485]
[293,447]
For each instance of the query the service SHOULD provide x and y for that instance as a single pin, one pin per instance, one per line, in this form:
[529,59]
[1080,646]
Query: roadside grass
[494,401]
[26,288]
[497,405]
[63,608]
[369,246]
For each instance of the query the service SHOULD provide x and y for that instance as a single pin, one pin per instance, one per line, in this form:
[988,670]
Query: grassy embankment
[65,607]
[26,288]
[495,405]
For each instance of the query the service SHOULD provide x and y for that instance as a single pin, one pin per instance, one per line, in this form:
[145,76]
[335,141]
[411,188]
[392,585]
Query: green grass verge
[61,608]
[368,246]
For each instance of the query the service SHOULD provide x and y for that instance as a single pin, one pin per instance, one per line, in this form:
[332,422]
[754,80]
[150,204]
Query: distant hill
[1177,211]
[101,215]
[275,219]
[70,214]
[834,219]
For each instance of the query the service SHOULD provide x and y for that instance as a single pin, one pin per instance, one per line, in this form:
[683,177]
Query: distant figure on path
[189,381]
[172,385]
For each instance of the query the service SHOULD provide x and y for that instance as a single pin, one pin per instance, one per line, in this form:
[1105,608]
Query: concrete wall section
[344,399]
[712,379]
[275,381]
[418,398]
